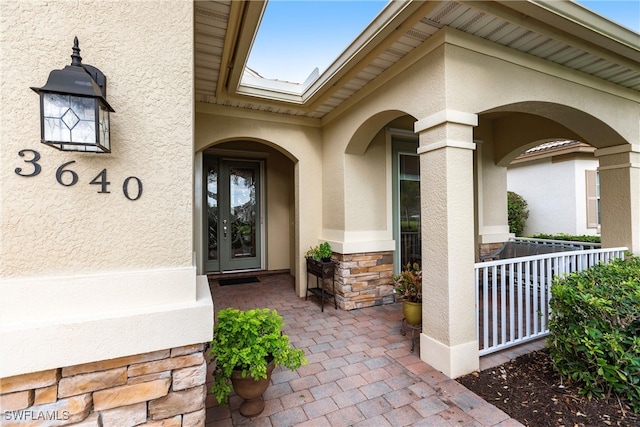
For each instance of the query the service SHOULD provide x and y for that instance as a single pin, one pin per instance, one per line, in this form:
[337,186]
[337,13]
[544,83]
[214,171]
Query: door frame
[201,203]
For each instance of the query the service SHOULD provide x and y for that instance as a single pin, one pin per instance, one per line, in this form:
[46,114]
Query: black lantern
[74,112]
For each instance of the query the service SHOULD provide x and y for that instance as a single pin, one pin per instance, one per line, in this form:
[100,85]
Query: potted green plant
[246,346]
[321,252]
[408,287]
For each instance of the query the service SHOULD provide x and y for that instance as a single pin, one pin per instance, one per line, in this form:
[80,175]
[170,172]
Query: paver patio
[360,370]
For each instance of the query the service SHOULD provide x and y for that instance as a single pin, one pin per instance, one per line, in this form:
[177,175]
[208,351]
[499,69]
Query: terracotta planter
[251,391]
[412,312]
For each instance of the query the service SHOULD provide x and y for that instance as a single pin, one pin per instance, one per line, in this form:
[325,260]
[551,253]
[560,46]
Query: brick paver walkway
[360,370]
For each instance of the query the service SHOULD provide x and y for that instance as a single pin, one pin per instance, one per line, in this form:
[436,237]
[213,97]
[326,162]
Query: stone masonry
[163,388]
[363,279]
[489,248]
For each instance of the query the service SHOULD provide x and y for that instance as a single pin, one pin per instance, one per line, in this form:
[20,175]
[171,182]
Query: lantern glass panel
[84,132]
[104,127]
[70,119]
[56,130]
[55,105]
[85,108]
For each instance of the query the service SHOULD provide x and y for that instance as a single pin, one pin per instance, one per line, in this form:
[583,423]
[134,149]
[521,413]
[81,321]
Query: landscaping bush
[595,329]
[568,237]
[517,213]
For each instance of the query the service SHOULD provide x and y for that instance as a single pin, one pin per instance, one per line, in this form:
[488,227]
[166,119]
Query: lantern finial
[76,59]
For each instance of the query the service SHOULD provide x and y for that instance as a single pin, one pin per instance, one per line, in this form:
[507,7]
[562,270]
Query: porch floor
[360,371]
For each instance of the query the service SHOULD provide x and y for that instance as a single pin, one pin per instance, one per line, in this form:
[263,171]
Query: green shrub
[568,237]
[517,213]
[595,329]
[322,252]
[247,340]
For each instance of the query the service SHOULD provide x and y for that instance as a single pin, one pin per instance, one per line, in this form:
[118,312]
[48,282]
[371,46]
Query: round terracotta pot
[251,391]
[412,312]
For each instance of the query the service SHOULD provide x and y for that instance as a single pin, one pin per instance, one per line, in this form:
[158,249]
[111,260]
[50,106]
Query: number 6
[61,170]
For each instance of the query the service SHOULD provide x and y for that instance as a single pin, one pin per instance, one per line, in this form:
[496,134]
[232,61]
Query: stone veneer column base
[162,388]
[364,279]
[489,248]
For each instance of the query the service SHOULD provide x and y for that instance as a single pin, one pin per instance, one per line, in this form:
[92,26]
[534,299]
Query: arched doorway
[247,206]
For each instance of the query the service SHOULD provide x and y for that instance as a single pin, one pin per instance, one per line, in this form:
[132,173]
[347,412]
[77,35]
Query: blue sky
[293,54]
[318,31]
[624,12]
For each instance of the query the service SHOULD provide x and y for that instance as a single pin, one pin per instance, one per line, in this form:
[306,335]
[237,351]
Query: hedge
[595,329]
[569,237]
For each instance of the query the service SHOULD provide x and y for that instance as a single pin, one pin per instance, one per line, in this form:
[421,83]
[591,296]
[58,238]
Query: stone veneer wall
[163,388]
[489,248]
[363,279]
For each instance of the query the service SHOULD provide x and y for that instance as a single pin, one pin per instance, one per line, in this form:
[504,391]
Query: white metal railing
[581,245]
[512,295]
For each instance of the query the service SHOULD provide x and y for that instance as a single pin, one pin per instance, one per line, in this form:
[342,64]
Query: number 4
[101,180]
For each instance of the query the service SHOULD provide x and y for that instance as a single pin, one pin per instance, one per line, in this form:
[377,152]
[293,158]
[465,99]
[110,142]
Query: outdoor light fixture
[74,112]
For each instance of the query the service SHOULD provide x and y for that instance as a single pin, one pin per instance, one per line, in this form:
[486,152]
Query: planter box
[320,269]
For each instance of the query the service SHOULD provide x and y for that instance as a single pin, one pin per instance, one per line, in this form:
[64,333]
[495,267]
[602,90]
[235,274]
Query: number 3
[34,161]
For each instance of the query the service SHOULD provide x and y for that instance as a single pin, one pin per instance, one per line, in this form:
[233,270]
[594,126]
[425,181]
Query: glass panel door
[211,227]
[234,231]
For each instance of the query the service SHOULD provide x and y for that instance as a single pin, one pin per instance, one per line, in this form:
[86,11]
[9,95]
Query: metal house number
[67,177]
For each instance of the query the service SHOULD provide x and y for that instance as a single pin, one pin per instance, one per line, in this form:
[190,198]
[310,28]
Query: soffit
[219,26]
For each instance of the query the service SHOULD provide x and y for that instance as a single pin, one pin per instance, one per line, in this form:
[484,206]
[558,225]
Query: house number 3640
[131,186]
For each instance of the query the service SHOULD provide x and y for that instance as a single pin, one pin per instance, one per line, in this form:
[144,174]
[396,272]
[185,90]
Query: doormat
[238,281]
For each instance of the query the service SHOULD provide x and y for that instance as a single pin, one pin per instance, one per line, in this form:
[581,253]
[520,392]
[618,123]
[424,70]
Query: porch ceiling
[563,33]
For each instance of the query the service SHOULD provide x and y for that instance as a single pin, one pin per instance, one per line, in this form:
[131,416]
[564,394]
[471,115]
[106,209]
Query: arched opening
[560,178]
[518,127]
[386,203]
[245,208]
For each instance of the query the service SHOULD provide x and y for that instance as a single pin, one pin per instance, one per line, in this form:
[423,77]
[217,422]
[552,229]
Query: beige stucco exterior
[90,265]
[78,267]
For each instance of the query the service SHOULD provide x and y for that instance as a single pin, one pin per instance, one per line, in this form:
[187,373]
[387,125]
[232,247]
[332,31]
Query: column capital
[446,116]
[617,149]
[630,158]
[448,143]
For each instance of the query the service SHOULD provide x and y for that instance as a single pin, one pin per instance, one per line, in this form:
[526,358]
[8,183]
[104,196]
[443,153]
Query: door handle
[224,228]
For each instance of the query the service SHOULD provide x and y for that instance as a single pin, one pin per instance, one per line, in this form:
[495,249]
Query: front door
[234,233]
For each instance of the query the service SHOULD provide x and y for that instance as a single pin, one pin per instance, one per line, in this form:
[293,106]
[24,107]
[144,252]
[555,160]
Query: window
[407,207]
[593,198]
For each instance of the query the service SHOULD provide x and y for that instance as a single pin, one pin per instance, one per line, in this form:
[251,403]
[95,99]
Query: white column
[448,340]
[620,196]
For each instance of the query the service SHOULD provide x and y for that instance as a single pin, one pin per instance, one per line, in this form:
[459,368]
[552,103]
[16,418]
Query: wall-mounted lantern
[74,112]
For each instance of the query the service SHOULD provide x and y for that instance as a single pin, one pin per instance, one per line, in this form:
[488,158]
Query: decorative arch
[250,140]
[519,126]
[365,132]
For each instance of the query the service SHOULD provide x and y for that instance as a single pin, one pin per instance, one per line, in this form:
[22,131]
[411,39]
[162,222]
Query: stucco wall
[71,230]
[459,72]
[79,267]
[355,206]
[555,193]
[366,189]
[493,76]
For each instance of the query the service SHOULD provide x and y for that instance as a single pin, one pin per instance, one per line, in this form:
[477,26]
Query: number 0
[125,188]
